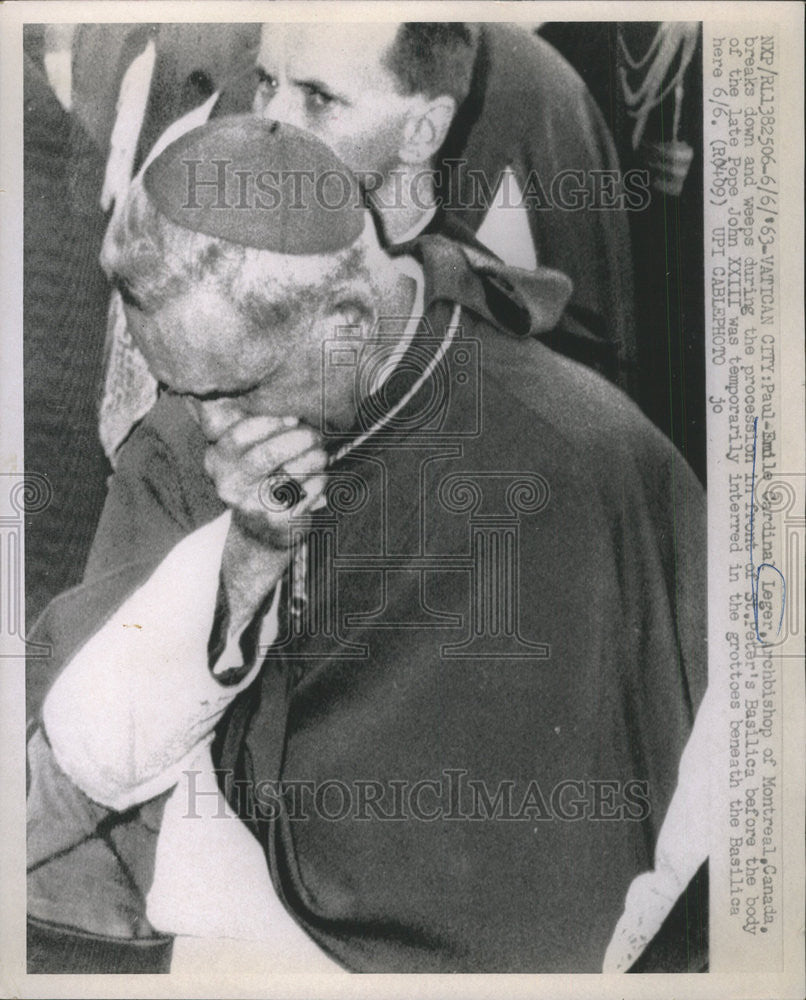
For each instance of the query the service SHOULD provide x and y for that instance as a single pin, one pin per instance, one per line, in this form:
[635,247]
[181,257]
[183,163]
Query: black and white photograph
[403,531]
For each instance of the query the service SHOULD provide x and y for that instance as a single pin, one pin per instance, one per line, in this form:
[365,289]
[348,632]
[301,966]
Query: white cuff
[138,699]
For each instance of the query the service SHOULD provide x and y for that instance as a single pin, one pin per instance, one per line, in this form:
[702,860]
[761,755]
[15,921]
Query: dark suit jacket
[529,109]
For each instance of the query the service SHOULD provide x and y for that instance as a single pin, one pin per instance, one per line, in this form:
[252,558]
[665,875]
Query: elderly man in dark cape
[426,597]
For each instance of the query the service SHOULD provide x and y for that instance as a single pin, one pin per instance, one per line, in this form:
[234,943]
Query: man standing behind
[453,122]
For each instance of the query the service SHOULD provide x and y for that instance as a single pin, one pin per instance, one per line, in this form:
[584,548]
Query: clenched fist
[266,470]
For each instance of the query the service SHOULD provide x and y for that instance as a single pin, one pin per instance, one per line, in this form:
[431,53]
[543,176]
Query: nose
[216,416]
[282,107]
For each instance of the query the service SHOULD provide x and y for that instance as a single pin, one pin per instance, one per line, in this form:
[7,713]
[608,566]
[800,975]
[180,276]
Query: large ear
[426,128]
[355,301]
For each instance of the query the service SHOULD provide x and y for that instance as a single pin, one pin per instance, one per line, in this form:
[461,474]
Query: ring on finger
[280,491]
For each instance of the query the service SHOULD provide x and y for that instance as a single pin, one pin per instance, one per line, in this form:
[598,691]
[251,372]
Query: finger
[287,449]
[244,487]
[283,499]
[250,430]
[266,455]
[302,466]
[290,492]
[293,482]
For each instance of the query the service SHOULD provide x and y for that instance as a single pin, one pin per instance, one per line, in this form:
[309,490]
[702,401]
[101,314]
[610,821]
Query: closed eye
[128,296]
[215,394]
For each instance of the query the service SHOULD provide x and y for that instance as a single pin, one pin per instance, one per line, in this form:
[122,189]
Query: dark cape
[517,645]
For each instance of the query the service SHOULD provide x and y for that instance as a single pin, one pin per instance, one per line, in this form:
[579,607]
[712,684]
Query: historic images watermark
[214,184]
[21,495]
[452,796]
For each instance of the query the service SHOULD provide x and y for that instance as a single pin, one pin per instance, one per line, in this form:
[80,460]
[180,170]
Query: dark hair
[434,57]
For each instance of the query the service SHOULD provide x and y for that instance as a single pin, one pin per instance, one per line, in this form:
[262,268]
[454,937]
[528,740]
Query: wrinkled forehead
[279,277]
[327,52]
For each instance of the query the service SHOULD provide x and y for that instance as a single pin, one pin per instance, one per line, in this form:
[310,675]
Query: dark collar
[468,112]
[460,270]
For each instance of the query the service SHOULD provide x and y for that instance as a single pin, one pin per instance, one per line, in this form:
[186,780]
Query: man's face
[330,80]
[199,347]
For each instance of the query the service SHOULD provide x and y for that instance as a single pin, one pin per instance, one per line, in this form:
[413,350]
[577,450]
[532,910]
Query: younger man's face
[330,80]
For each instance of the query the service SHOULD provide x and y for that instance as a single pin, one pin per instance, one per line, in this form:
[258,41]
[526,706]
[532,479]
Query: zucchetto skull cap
[258,183]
